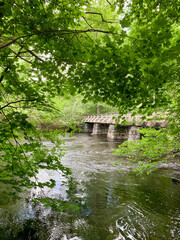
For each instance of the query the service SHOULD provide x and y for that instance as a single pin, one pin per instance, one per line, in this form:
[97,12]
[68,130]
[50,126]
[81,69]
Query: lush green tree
[40,43]
[139,62]
[35,37]
[155,28]
[124,53]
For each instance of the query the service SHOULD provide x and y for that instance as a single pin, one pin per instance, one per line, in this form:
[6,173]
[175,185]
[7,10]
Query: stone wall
[113,132]
[134,134]
[88,127]
[118,132]
[100,129]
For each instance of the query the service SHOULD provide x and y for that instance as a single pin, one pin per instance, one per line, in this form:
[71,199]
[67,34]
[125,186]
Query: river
[116,205]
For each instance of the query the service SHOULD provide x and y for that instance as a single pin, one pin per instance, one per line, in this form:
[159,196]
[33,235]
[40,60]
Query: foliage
[70,110]
[154,147]
[136,65]
[39,42]
[34,40]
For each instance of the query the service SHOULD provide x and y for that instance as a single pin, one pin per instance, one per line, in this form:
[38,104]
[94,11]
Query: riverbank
[174,165]
[48,125]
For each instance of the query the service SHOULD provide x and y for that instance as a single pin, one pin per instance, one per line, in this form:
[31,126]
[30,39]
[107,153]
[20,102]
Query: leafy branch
[62,32]
[100,14]
[23,100]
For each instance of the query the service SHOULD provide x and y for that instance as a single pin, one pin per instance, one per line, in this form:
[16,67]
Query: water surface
[116,205]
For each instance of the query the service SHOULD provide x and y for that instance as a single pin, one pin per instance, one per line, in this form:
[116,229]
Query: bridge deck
[127,120]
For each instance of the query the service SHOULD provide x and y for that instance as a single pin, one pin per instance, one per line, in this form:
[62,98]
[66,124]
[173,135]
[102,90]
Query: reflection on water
[119,205]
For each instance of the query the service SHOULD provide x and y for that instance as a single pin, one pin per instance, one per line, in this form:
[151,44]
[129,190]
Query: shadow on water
[115,205]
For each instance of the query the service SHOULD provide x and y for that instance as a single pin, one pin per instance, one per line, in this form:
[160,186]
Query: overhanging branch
[108,2]
[23,100]
[65,32]
[100,14]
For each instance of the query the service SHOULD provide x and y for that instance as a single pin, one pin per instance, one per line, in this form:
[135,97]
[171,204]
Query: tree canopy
[124,53]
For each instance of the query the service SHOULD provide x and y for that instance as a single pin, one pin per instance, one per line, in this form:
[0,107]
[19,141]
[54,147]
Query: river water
[116,205]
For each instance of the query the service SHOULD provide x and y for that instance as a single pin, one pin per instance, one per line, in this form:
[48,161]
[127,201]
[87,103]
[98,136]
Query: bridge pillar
[118,132]
[100,129]
[134,134]
[88,127]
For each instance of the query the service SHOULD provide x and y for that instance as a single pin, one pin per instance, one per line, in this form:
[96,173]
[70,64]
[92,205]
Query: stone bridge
[124,128]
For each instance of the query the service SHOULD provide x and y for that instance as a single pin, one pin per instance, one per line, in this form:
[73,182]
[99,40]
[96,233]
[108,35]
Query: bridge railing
[112,118]
[106,118]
